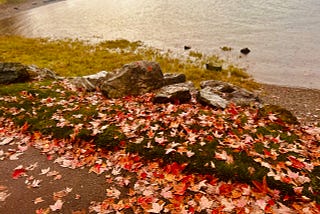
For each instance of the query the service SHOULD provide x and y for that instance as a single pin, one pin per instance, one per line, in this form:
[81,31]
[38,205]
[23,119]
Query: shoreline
[8,10]
[302,102]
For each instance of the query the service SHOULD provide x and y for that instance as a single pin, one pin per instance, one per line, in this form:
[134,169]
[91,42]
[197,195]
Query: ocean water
[283,35]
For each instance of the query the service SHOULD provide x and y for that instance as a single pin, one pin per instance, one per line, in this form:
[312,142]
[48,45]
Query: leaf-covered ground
[163,158]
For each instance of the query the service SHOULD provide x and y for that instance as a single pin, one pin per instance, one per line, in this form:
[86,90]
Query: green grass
[77,58]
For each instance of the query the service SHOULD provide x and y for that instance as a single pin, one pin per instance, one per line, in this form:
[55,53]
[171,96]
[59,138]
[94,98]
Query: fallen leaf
[156,208]
[35,183]
[18,173]
[6,141]
[15,156]
[44,171]
[43,211]
[4,195]
[296,163]
[261,203]
[38,200]
[205,203]
[56,206]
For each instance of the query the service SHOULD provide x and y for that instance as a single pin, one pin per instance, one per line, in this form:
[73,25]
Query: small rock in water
[245,51]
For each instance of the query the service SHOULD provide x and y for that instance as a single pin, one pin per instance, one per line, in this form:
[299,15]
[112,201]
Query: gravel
[302,102]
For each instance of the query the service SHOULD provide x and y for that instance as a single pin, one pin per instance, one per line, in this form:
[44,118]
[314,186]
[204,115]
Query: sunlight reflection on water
[282,34]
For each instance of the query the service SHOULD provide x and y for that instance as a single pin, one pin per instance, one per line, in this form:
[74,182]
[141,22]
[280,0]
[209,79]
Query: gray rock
[91,82]
[13,73]
[37,73]
[176,93]
[133,79]
[227,92]
[173,78]
[207,96]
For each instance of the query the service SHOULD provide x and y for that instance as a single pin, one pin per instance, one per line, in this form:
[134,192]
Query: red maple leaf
[296,163]
[261,187]
[225,189]
[174,168]
[18,172]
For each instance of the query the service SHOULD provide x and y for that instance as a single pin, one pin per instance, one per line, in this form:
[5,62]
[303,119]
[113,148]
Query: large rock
[173,78]
[17,73]
[91,82]
[176,93]
[133,79]
[220,94]
[207,96]
[13,73]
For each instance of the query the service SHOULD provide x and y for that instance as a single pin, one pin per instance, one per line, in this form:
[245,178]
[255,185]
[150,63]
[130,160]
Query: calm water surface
[282,34]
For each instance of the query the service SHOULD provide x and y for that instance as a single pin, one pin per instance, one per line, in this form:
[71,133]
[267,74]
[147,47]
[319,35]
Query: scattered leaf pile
[166,158]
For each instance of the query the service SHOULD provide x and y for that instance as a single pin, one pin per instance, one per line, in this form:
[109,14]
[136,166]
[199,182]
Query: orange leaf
[25,127]
[261,187]
[180,188]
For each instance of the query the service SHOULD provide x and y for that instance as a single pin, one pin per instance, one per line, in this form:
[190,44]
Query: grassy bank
[77,58]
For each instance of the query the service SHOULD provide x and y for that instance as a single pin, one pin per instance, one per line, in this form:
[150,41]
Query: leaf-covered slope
[238,144]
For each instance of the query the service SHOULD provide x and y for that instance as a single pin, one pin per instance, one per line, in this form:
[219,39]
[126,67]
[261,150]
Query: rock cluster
[141,77]
[138,78]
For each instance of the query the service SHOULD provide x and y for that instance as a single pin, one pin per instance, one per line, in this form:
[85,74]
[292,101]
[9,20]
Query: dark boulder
[186,47]
[133,79]
[173,78]
[13,73]
[176,93]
